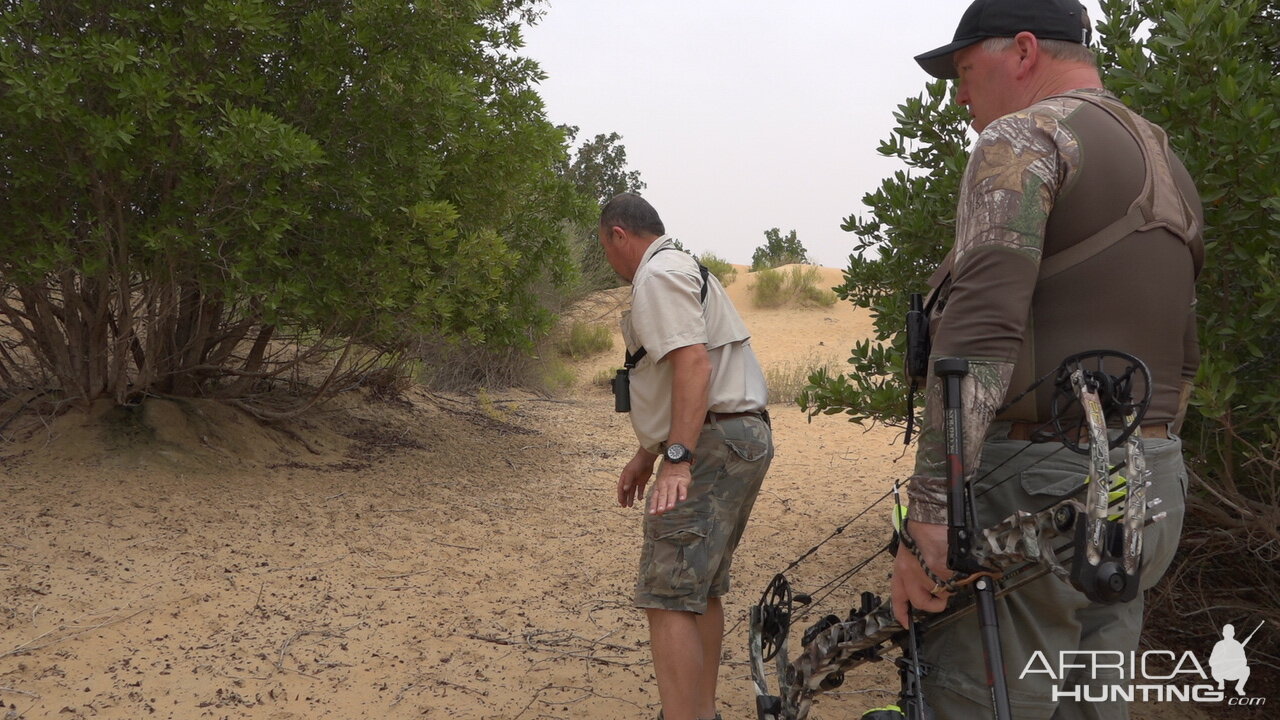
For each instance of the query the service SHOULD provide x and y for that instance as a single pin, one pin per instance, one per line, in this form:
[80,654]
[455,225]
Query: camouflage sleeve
[1016,168]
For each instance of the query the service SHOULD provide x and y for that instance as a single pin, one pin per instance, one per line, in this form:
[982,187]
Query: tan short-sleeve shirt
[667,313]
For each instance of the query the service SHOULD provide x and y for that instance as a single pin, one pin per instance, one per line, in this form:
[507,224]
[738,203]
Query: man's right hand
[635,476]
[912,588]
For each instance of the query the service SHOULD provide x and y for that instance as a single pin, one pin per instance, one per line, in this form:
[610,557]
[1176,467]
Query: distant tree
[199,197]
[598,171]
[598,168]
[778,250]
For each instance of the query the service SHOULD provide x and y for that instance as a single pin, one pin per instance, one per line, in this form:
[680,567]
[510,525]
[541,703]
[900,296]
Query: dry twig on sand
[584,694]
[31,645]
[16,691]
[323,632]
[549,641]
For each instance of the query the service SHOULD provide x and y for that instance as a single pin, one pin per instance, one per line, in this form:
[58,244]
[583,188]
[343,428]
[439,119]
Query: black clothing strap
[914,385]
[632,359]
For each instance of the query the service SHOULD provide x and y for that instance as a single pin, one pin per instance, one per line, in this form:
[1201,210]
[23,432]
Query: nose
[962,93]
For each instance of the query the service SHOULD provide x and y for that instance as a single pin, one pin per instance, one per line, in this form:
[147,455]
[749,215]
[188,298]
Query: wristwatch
[677,453]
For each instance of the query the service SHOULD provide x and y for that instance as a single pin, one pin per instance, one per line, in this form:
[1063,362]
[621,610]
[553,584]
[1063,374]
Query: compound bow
[1094,544]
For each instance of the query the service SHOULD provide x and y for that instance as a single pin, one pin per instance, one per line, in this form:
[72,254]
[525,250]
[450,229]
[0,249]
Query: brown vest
[1122,250]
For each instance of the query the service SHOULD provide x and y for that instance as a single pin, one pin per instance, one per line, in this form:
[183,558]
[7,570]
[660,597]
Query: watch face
[675,451]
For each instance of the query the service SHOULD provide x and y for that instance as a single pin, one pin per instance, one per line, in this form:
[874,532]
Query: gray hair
[632,213]
[1057,49]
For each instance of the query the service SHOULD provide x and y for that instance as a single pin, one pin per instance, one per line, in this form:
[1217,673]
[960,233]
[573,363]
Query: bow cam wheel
[775,612]
[1117,378]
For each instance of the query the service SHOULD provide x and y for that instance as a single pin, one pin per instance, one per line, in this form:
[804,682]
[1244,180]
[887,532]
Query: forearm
[691,380]
[691,376]
[982,392]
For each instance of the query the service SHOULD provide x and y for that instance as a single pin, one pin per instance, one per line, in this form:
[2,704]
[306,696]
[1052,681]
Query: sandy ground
[422,556]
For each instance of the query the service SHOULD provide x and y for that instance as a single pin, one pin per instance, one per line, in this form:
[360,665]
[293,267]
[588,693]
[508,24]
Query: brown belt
[714,416]
[1042,432]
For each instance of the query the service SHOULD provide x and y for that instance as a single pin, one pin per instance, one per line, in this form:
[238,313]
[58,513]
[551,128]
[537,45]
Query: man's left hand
[671,487]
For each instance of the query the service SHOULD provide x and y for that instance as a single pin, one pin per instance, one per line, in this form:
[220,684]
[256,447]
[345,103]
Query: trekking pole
[961,521]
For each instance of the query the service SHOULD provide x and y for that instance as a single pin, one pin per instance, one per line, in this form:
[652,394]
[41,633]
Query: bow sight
[1094,543]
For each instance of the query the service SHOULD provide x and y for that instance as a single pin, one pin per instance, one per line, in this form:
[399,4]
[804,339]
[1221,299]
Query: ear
[1028,49]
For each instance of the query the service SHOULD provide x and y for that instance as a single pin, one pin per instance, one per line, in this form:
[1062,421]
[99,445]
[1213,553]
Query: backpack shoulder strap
[703,270]
[631,359]
[1158,205]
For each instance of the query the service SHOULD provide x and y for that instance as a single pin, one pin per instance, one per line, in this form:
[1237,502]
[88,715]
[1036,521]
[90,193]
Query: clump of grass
[786,380]
[490,408]
[774,288]
[556,376]
[767,289]
[804,282]
[719,267]
[586,339]
[602,378]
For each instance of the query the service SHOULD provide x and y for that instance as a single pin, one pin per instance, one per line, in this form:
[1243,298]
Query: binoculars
[621,385]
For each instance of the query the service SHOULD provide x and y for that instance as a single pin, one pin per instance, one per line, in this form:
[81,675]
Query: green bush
[767,288]
[200,197]
[597,168]
[896,247]
[803,283]
[719,267]
[1207,73]
[774,288]
[586,339]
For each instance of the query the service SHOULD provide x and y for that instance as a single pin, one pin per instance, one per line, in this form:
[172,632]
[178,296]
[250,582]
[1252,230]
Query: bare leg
[677,661]
[711,631]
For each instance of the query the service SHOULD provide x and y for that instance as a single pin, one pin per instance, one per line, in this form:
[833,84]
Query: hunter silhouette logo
[1228,661]
[1151,675]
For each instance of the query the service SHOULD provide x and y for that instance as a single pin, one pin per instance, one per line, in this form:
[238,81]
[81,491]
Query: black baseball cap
[1046,19]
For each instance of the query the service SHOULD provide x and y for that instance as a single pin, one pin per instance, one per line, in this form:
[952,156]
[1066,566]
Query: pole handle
[951,371]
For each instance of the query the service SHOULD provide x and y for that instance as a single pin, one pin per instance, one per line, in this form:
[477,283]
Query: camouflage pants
[688,550]
[1049,615]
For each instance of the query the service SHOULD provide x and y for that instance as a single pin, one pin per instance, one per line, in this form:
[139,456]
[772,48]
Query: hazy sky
[742,115]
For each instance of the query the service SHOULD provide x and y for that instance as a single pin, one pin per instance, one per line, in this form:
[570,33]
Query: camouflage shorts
[688,550]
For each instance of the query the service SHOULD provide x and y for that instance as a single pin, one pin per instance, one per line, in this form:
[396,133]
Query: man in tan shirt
[698,400]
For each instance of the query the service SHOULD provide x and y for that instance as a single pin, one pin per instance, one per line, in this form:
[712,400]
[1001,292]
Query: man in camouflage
[1076,230]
